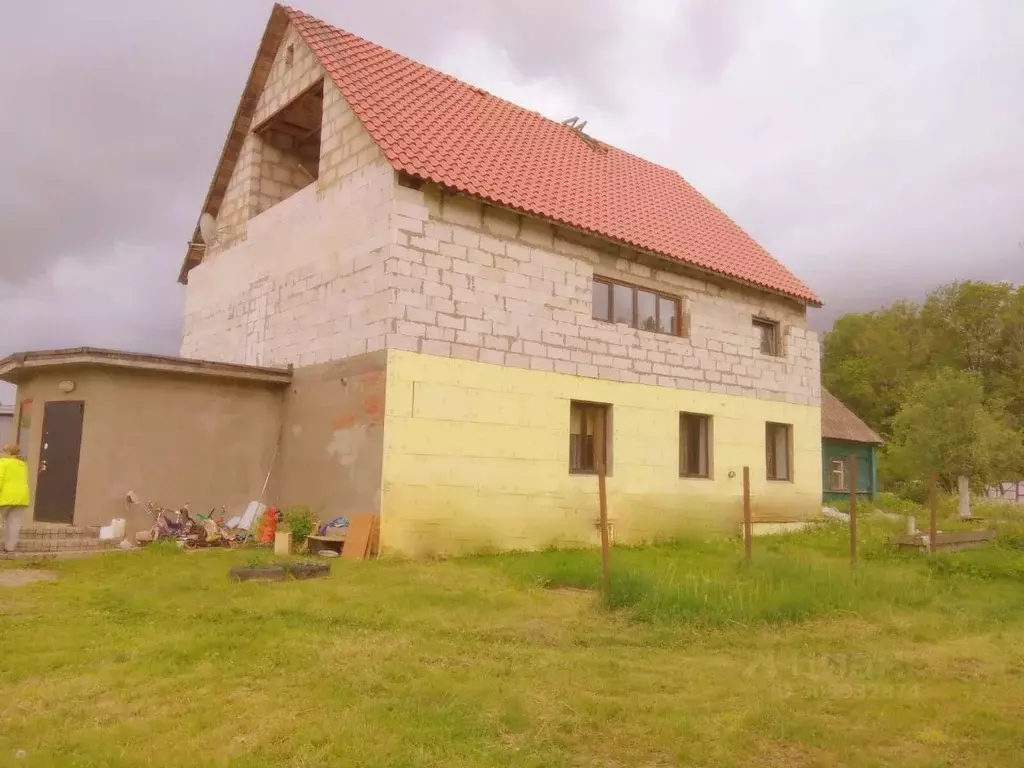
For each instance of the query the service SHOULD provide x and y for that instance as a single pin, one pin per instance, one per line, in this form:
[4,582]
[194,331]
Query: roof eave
[845,439]
[16,367]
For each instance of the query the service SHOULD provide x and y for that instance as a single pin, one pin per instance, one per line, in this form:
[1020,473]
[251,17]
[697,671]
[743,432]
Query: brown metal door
[57,481]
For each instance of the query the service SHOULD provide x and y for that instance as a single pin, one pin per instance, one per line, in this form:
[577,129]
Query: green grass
[692,657]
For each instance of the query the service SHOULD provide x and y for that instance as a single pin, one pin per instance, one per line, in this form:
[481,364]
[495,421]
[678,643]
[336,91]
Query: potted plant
[300,522]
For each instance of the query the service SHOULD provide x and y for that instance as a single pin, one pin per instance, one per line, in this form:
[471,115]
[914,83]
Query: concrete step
[64,544]
[53,531]
[63,554]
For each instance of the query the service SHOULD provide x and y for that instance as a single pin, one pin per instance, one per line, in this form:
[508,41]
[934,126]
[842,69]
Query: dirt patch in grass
[22,577]
[571,591]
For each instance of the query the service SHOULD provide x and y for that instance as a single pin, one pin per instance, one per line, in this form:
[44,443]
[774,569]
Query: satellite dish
[208,228]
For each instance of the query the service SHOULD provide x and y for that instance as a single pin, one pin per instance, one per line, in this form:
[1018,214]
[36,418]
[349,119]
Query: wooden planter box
[952,541]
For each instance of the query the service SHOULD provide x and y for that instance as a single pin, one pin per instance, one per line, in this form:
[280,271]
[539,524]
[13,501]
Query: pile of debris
[213,529]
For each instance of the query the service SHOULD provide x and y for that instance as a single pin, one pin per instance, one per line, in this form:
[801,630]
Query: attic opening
[289,144]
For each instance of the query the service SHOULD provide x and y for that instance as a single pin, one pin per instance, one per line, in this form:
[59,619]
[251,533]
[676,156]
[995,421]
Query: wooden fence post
[747,532]
[933,510]
[852,463]
[605,547]
[601,451]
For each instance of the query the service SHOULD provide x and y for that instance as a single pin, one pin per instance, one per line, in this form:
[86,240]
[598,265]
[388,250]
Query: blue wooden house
[843,434]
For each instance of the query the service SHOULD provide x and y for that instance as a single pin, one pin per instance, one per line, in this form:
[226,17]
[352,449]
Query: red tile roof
[442,130]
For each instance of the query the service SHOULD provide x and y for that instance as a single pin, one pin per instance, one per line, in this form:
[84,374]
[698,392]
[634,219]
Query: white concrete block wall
[481,283]
[304,281]
[285,82]
[307,285]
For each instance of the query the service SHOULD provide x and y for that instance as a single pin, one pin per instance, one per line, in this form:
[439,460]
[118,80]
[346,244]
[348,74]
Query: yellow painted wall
[476,458]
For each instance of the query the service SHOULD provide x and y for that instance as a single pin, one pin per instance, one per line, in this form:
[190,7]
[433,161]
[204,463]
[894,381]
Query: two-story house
[509,285]
[481,305]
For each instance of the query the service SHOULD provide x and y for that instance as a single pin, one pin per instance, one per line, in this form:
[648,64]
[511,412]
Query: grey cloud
[571,37]
[119,139]
[710,33]
[873,146]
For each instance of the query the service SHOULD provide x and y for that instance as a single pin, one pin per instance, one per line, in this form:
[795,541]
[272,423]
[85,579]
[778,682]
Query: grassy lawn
[691,658]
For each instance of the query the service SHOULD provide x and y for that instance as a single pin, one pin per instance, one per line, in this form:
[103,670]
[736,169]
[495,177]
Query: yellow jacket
[13,482]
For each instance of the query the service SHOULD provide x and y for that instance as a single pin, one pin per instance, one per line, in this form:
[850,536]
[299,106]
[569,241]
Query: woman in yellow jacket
[13,494]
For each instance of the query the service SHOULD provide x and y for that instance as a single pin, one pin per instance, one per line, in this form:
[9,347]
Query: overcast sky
[876,147]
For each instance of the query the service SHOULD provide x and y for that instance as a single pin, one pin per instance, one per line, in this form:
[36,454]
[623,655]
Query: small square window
[837,476]
[768,334]
[694,445]
[778,442]
[589,437]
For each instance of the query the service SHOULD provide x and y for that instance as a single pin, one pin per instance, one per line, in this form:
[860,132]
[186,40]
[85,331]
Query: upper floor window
[647,310]
[769,334]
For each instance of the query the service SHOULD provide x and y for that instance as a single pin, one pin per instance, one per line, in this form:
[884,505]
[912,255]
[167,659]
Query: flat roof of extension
[18,366]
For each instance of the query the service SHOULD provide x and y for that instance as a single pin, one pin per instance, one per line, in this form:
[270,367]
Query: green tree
[869,360]
[963,324]
[1008,383]
[946,424]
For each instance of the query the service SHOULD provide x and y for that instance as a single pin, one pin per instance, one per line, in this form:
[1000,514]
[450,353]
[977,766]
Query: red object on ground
[268,526]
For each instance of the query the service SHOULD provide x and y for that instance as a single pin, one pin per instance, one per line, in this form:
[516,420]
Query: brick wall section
[304,281]
[234,210]
[481,283]
[286,83]
[280,175]
[345,146]
[308,285]
[242,200]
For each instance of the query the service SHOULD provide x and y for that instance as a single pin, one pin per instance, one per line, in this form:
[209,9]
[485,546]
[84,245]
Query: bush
[890,502]
[301,522]
[990,564]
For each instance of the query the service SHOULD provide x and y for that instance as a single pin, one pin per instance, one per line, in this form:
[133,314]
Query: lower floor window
[778,446]
[588,436]
[694,445]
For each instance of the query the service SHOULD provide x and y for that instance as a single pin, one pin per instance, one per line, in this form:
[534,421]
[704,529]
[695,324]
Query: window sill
[695,477]
[780,479]
[669,334]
